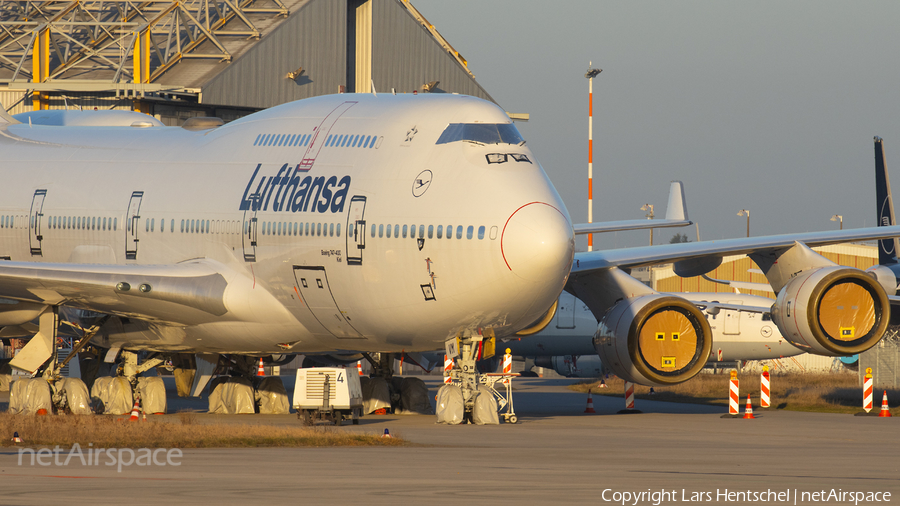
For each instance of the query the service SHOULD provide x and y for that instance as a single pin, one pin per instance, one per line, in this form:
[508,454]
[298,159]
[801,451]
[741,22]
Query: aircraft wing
[676,216]
[186,293]
[692,257]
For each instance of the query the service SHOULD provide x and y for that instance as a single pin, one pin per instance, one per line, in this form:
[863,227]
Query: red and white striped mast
[591,73]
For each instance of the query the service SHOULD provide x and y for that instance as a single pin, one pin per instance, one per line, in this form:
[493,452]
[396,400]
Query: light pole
[838,217]
[591,73]
[745,212]
[649,207]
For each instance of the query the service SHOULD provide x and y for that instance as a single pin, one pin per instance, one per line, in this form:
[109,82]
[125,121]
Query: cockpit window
[484,133]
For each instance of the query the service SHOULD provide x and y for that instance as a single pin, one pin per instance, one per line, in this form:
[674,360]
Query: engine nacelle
[887,275]
[832,311]
[654,340]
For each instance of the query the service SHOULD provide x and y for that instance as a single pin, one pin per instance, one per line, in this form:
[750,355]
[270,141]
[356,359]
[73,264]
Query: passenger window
[481,232]
[469,231]
[373,229]
[381,230]
[440,232]
[331,230]
[421,231]
[115,223]
[405,229]
[449,231]
[338,232]
[389,231]
[494,232]
[318,229]
[430,231]
[459,232]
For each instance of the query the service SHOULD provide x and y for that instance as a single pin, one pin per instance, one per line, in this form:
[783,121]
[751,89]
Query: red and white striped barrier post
[867,390]
[359,367]
[734,395]
[629,395]
[507,365]
[764,388]
[448,366]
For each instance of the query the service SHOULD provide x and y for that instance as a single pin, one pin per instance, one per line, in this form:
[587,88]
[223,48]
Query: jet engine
[654,340]
[832,311]
[541,323]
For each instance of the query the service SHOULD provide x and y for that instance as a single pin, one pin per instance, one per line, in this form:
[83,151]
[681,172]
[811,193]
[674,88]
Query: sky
[766,106]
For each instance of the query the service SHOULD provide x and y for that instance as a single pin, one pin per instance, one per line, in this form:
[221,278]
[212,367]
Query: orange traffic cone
[885,411]
[135,416]
[260,371]
[748,411]
[590,403]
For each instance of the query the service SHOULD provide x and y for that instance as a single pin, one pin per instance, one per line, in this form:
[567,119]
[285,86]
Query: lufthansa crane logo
[421,183]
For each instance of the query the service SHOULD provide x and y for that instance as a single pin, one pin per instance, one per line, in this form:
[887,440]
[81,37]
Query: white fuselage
[327,218]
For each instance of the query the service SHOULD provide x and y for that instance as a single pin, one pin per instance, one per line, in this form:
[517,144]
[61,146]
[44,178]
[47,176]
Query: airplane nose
[538,242]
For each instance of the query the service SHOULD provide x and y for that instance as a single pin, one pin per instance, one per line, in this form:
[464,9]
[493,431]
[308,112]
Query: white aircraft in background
[888,268]
[358,223]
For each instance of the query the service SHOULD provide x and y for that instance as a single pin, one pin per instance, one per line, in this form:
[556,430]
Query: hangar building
[224,58]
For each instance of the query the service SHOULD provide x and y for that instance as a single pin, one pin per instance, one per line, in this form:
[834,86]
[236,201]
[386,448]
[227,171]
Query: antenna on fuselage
[375,93]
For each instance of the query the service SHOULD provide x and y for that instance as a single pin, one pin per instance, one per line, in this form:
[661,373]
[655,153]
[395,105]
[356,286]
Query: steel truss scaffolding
[111,45]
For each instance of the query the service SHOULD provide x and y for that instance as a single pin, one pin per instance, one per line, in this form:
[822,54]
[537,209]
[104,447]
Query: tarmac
[669,454]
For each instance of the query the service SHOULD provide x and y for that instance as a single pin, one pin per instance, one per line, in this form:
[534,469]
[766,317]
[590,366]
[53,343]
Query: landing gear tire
[513,419]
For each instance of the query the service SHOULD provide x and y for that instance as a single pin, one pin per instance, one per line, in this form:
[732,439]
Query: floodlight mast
[591,73]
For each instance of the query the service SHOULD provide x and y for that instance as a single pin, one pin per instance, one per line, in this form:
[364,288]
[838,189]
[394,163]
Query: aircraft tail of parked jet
[884,206]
